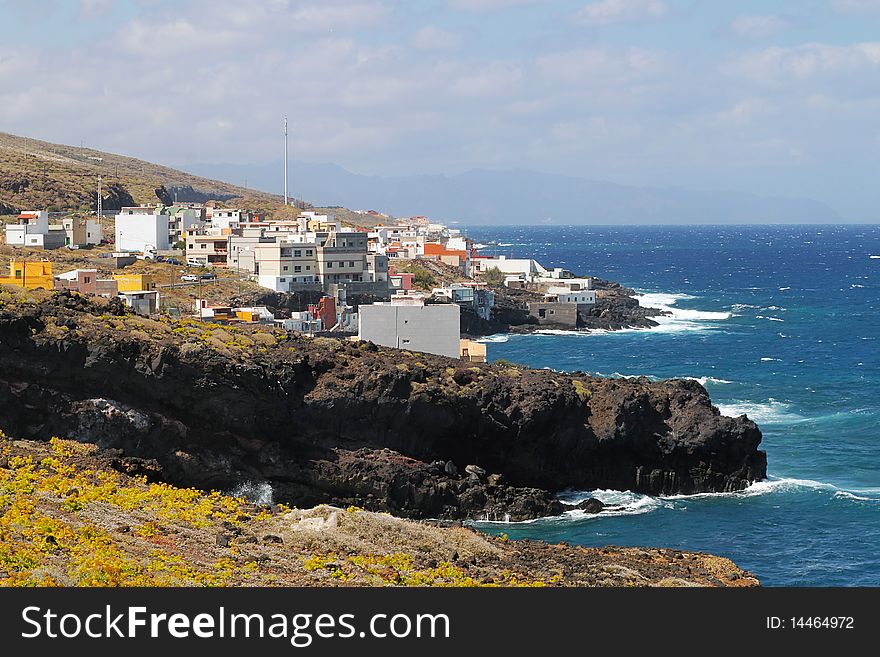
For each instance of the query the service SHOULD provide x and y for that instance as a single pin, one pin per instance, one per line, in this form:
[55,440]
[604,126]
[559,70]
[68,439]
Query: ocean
[778,322]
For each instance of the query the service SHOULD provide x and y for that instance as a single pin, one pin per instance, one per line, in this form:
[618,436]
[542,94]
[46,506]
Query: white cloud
[856,7]
[758,27]
[486,6]
[327,16]
[91,8]
[148,39]
[745,112]
[432,37]
[606,12]
[810,61]
[599,65]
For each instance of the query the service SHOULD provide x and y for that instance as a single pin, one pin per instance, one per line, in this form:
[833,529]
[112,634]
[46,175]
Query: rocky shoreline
[616,308]
[333,421]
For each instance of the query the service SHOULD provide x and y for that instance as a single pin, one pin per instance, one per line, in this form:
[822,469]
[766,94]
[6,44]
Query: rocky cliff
[331,421]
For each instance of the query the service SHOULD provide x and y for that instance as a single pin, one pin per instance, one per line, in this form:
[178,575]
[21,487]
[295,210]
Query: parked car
[174,261]
[208,277]
[189,278]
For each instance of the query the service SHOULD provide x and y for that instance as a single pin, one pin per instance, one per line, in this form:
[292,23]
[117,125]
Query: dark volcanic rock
[349,423]
[616,308]
[590,505]
[115,198]
[164,195]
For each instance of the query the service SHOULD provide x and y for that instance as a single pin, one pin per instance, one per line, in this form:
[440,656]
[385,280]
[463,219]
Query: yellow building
[29,275]
[473,352]
[135,282]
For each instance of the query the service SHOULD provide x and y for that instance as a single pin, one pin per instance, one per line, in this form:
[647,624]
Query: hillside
[71,516]
[40,175]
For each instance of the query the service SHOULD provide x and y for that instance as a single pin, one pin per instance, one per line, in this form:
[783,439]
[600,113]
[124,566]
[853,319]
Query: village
[406,283]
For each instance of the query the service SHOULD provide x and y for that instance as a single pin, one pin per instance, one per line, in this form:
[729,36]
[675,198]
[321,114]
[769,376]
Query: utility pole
[285,160]
[100,204]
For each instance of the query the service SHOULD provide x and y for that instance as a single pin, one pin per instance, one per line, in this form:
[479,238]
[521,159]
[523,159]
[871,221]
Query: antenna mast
[285,160]
[100,202]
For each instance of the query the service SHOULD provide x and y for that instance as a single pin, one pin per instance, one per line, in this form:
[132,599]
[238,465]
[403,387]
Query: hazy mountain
[519,197]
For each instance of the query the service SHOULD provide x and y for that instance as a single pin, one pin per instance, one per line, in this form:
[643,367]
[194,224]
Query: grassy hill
[40,175]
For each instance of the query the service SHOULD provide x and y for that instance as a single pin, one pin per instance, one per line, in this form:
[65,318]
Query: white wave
[257,492]
[783,289]
[743,306]
[769,485]
[494,338]
[844,494]
[504,244]
[617,503]
[666,302]
[627,503]
[703,380]
[770,412]
[874,257]
[767,359]
[618,375]
[855,286]
[481,246]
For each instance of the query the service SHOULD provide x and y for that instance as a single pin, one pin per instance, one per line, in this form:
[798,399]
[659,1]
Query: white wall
[94,232]
[582,296]
[433,329]
[136,232]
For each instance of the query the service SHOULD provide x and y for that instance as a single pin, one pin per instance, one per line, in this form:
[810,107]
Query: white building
[142,229]
[228,217]
[407,323]
[32,229]
[300,322]
[567,295]
[183,220]
[526,267]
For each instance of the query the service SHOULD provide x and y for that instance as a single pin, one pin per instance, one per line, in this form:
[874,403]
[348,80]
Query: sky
[770,97]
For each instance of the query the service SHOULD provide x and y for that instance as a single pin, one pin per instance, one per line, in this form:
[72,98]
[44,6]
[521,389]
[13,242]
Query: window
[308,252]
[329,265]
[308,268]
[297,253]
[351,263]
[283,280]
[542,313]
[204,246]
[87,279]
[296,268]
[285,268]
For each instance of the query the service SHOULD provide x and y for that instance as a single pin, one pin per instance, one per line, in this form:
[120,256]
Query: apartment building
[142,229]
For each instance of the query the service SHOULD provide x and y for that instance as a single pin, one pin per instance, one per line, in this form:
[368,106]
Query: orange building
[29,275]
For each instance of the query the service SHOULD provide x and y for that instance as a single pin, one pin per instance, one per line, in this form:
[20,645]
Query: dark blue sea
[778,322]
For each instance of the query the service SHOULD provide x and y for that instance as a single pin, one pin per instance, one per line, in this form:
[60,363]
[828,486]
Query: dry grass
[68,519]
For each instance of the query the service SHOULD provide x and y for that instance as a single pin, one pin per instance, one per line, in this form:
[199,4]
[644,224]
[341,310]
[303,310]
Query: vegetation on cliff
[71,516]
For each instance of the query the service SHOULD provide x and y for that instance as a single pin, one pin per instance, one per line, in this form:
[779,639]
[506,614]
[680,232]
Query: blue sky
[772,97]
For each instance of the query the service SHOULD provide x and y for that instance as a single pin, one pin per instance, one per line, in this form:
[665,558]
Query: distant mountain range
[519,196]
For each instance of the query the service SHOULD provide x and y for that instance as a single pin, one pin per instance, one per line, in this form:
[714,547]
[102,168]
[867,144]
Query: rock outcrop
[616,308]
[333,421]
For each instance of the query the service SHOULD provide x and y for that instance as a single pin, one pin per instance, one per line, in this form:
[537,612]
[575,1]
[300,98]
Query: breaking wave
[769,412]
[256,492]
[626,503]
